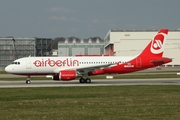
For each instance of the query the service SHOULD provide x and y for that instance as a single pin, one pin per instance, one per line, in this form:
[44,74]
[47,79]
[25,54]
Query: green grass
[3,72]
[91,103]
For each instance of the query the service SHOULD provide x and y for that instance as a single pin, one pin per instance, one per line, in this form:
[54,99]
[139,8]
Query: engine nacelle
[67,75]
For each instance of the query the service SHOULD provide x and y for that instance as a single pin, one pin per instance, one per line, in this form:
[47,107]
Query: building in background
[14,48]
[74,46]
[132,42]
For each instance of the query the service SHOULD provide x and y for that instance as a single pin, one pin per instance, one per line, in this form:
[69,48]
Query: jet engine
[65,75]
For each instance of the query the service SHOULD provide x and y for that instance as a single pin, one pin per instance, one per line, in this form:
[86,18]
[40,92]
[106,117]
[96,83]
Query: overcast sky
[84,18]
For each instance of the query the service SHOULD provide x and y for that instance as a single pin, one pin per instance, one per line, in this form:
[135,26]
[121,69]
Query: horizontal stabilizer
[163,60]
[157,61]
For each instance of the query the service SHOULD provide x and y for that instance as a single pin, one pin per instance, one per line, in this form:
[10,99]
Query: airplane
[70,68]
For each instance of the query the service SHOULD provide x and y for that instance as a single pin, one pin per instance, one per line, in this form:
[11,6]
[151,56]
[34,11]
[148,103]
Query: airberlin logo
[157,43]
[57,63]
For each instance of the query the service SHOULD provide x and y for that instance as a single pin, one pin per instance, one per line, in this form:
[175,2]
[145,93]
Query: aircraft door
[28,63]
[138,62]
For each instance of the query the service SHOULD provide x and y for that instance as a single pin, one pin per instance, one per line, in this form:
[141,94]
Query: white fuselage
[51,65]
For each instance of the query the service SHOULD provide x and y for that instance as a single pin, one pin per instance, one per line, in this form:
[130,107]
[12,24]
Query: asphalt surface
[105,82]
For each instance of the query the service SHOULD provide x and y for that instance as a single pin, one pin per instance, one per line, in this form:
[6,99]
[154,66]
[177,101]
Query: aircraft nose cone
[7,69]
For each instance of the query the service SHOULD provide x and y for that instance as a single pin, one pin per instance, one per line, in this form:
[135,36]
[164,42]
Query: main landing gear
[28,81]
[82,80]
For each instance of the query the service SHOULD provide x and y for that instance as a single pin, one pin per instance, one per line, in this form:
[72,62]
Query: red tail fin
[156,47]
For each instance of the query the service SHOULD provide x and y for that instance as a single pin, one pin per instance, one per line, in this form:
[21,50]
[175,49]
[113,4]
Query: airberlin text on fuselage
[58,63]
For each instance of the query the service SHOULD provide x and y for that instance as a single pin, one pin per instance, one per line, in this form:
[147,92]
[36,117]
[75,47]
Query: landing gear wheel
[28,81]
[88,80]
[81,80]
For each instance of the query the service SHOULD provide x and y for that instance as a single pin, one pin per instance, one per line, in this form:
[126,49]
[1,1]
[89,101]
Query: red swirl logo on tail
[157,44]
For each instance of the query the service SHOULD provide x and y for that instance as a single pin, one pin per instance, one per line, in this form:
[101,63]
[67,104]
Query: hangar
[14,48]
[74,46]
[132,42]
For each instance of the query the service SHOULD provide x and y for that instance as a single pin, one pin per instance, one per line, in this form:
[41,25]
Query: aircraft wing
[84,69]
[92,68]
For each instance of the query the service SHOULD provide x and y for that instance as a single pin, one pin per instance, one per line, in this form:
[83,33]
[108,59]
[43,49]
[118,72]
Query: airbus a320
[70,68]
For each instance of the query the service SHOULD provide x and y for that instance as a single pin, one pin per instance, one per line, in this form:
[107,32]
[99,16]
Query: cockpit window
[15,63]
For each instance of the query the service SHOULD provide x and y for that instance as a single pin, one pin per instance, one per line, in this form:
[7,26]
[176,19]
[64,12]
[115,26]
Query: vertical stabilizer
[156,47]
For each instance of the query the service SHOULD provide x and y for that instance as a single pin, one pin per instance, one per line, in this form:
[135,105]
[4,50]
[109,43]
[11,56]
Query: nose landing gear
[28,81]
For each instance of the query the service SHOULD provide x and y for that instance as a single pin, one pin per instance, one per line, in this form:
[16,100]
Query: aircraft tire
[88,80]
[81,80]
[28,81]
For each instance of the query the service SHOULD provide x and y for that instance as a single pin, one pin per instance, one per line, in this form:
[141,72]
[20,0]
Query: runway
[105,82]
